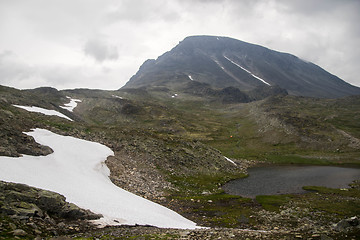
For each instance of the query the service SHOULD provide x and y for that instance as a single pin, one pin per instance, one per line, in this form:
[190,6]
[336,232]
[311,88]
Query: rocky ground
[161,158]
[30,213]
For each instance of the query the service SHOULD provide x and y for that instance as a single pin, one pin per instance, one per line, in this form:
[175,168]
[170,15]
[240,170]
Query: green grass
[345,192]
[273,202]
[226,210]
[293,159]
[194,185]
[338,203]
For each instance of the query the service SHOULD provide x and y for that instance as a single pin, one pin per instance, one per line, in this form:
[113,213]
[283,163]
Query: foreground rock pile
[27,211]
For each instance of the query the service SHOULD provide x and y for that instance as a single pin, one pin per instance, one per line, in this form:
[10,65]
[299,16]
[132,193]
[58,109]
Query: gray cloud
[121,35]
[18,73]
[144,11]
[100,51]
[13,70]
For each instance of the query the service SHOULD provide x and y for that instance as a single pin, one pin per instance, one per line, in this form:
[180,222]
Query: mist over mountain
[223,62]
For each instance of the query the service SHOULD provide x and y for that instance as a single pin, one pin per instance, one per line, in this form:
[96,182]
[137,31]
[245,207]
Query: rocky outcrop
[348,224]
[21,201]
[28,212]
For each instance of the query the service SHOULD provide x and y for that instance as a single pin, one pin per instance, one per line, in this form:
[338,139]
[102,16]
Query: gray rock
[353,221]
[324,237]
[19,232]
[22,202]
[346,224]
[61,225]
[12,226]
[50,221]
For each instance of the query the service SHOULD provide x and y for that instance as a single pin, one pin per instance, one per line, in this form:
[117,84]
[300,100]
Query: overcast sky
[102,43]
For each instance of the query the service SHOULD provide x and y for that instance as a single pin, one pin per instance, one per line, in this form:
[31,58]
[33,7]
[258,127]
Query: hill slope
[172,151]
[225,62]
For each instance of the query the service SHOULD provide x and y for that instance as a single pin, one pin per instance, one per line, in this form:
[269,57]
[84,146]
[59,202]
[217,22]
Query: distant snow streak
[228,159]
[262,80]
[115,96]
[43,111]
[218,63]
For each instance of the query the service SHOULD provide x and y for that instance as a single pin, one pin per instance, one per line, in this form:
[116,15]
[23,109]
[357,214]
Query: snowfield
[76,169]
[43,111]
[71,105]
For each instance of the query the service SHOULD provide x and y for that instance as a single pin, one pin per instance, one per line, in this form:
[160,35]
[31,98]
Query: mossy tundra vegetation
[170,147]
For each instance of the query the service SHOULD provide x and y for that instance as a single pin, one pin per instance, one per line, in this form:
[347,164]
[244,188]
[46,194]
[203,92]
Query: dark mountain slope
[224,62]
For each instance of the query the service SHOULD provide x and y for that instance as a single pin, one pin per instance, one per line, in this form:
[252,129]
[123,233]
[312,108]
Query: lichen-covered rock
[72,211]
[22,201]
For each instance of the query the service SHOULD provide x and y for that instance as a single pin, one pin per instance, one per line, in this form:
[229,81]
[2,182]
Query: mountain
[224,62]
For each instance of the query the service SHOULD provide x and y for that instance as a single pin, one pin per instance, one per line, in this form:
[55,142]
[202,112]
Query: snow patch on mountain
[116,96]
[71,105]
[228,159]
[262,80]
[76,169]
[43,111]
[219,64]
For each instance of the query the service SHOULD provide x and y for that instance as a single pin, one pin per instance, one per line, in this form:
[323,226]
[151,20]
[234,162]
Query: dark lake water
[290,179]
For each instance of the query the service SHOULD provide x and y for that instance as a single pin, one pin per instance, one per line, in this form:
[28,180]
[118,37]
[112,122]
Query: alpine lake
[276,180]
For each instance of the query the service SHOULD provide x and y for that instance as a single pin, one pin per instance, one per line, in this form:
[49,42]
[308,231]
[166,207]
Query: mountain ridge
[227,62]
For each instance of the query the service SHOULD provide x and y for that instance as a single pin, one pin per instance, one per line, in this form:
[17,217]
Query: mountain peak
[226,62]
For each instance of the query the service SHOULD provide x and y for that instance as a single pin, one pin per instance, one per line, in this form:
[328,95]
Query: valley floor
[173,152]
[212,233]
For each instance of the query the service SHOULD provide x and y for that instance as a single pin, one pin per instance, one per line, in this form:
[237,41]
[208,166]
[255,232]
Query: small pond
[272,180]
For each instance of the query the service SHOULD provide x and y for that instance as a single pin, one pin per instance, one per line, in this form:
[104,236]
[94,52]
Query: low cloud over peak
[100,50]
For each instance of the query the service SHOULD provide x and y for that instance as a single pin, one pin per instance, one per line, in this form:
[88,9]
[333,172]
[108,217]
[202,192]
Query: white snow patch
[76,169]
[258,78]
[71,105]
[190,77]
[115,96]
[219,64]
[230,161]
[43,111]
[217,38]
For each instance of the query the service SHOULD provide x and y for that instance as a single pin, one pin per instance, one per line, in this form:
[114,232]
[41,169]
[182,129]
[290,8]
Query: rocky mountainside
[224,62]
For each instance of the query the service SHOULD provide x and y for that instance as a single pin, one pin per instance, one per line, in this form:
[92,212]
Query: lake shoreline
[290,179]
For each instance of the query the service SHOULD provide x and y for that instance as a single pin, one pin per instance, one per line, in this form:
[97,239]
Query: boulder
[19,232]
[347,224]
[22,202]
